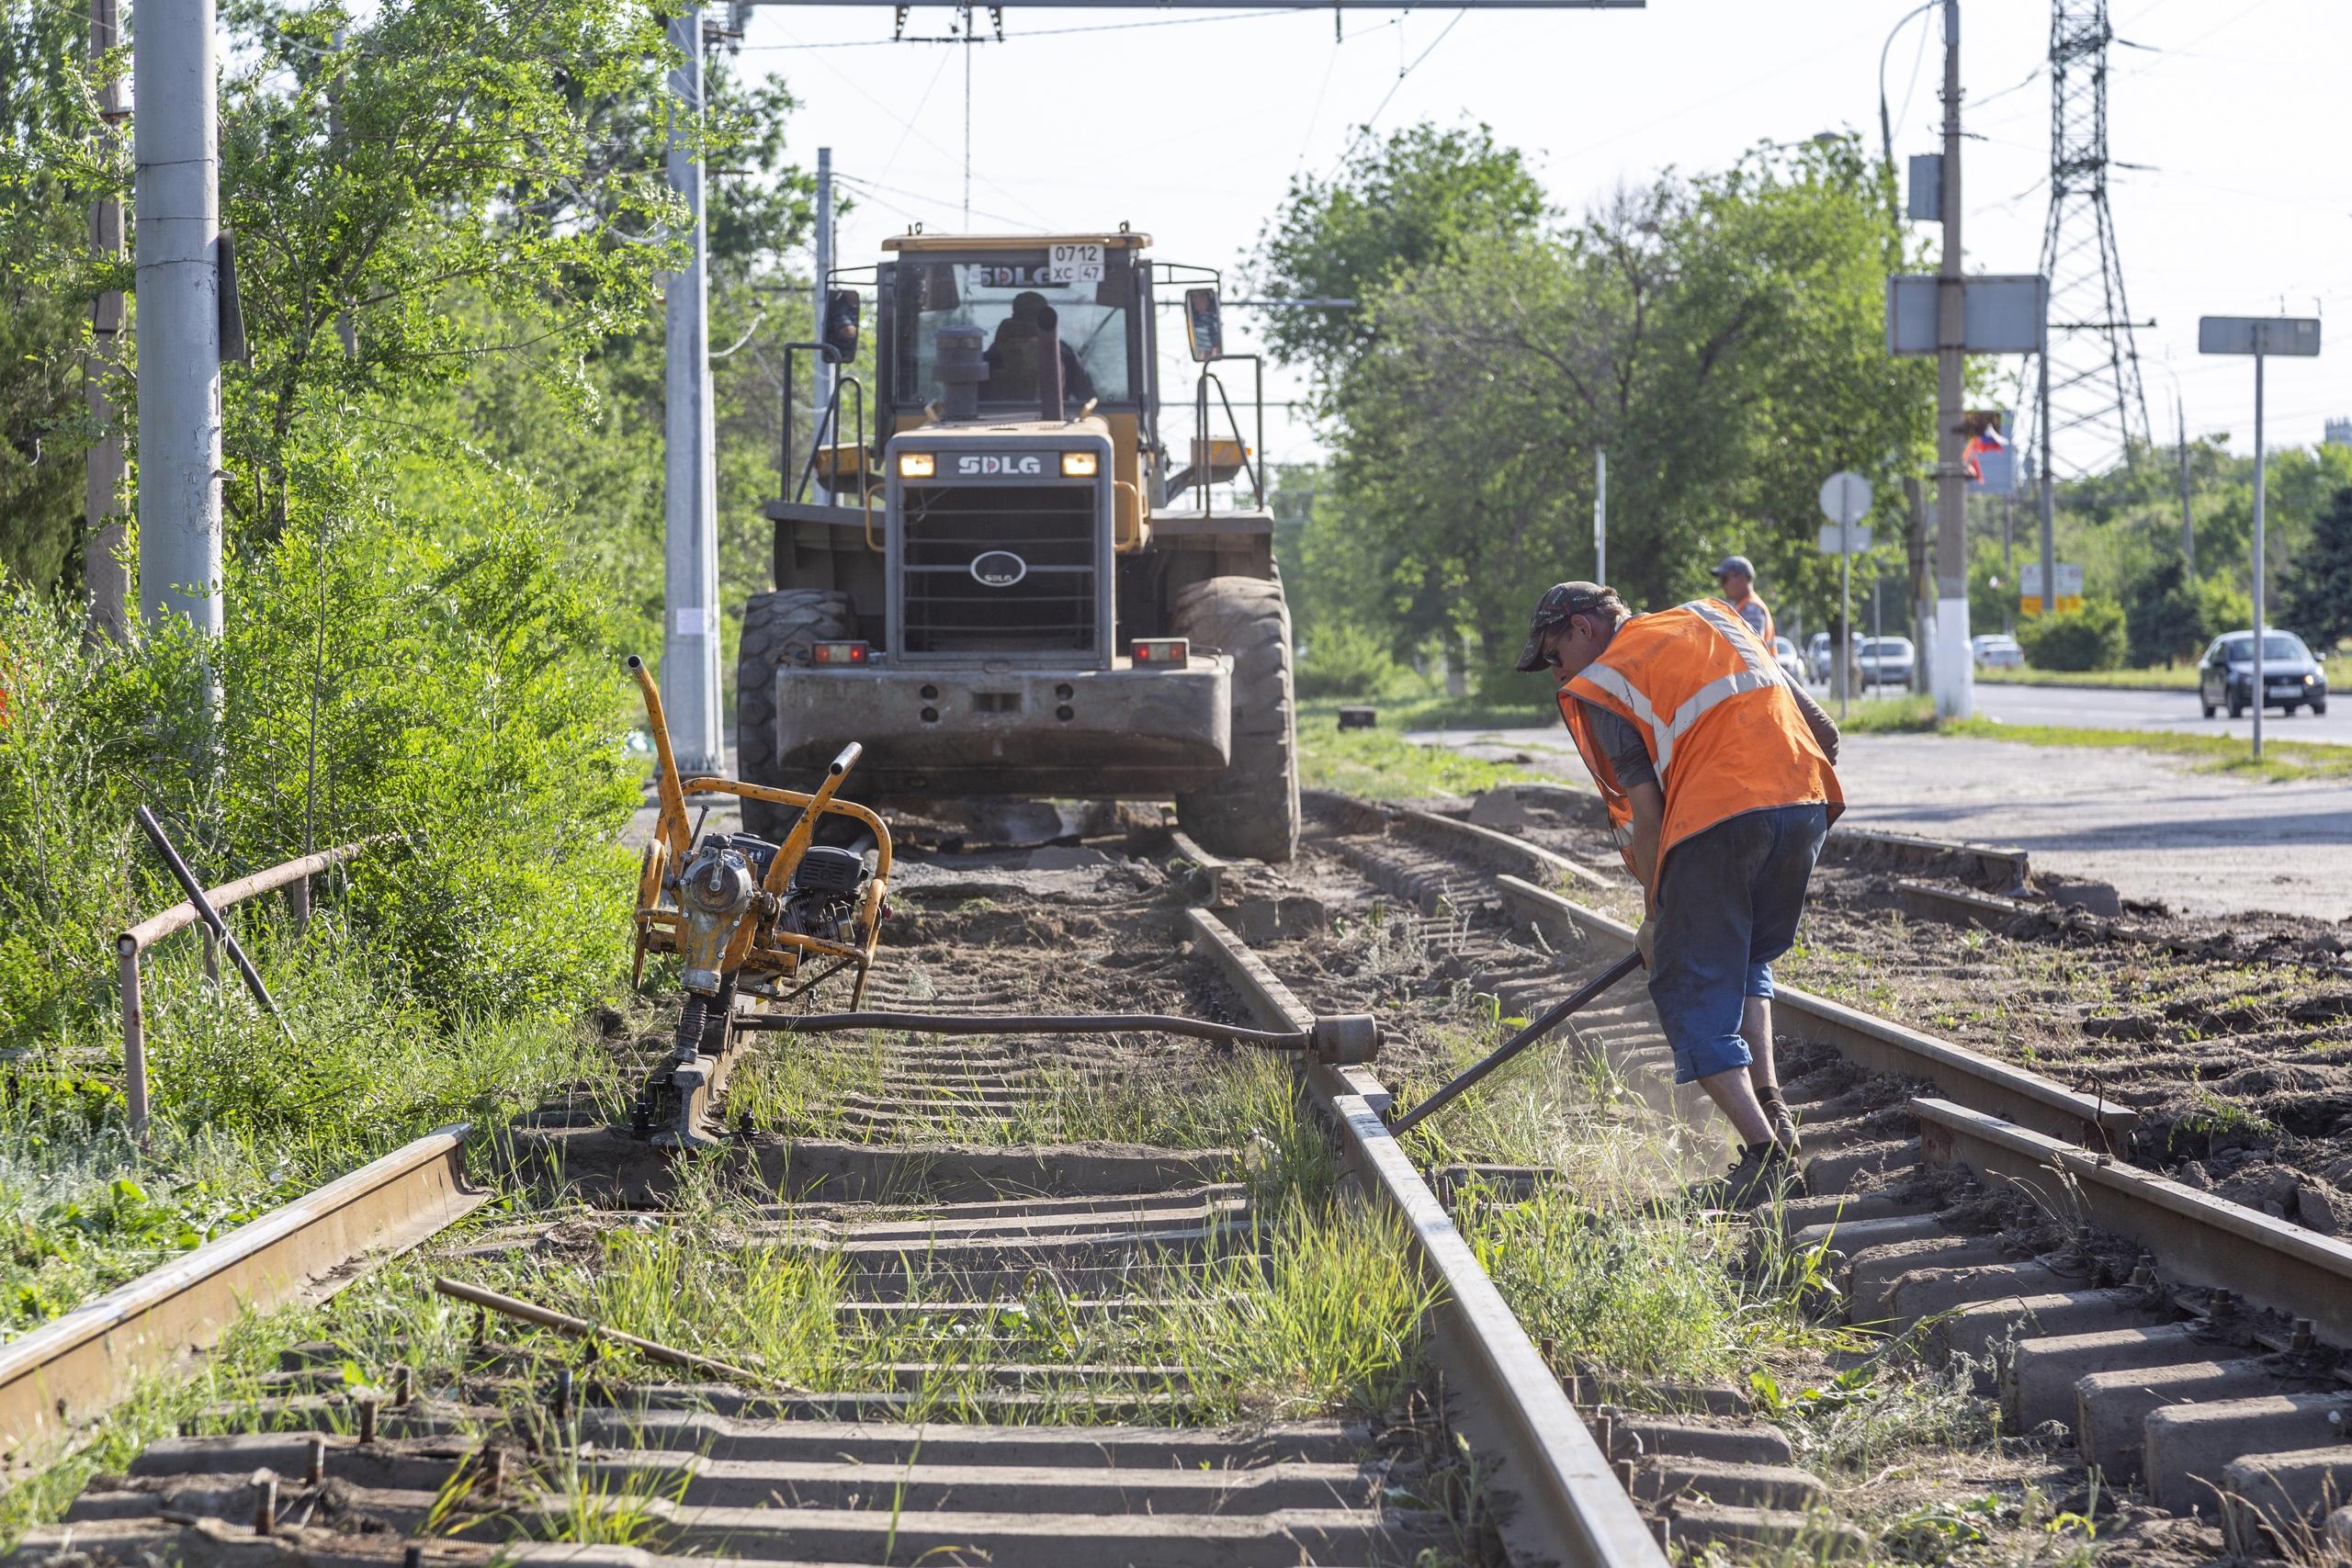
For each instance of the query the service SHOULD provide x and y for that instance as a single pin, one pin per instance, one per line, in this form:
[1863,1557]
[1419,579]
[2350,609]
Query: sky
[2237,199]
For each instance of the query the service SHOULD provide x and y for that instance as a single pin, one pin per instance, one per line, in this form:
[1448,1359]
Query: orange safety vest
[1722,731]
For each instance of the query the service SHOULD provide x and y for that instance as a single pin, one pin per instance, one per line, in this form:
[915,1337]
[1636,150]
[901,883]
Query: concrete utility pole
[690,503]
[1951,670]
[823,377]
[175,139]
[102,568]
[1923,581]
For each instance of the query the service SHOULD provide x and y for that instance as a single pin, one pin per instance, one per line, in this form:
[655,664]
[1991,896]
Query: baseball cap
[1740,564]
[1559,602]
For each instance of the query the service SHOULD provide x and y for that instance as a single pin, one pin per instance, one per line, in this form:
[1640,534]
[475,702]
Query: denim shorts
[1727,904]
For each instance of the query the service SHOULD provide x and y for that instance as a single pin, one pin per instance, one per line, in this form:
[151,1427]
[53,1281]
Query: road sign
[1856,539]
[1845,497]
[2070,587]
[2297,335]
[1999,315]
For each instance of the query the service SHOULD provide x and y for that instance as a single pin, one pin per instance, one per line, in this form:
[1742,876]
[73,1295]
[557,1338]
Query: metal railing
[131,946]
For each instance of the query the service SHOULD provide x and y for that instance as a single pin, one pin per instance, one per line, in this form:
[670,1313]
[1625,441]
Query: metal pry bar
[207,914]
[1552,1020]
[675,829]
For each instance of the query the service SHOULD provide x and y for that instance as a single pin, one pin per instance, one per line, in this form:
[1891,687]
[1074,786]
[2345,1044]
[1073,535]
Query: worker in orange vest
[1737,578]
[1719,781]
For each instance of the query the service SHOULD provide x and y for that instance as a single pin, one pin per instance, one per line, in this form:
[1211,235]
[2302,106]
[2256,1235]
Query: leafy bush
[2222,607]
[2087,638]
[1338,659]
[439,683]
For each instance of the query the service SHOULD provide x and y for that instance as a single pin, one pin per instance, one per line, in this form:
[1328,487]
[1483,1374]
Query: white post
[690,688]
[175,141]
[2260,485]
[1600,518]
[1949,668]
[823,380]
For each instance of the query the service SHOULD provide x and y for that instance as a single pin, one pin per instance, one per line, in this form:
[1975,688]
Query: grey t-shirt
[1621,742]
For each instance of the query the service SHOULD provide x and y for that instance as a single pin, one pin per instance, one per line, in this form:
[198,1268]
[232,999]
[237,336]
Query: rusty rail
[1568,1504]
[131,948]
[60,1376]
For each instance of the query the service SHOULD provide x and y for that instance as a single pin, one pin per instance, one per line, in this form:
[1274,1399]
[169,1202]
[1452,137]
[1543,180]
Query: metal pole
[2047,501]
[134,1040]
[2187,522]
[102,568]
[1600,518]
[1557,1014]
[1923,584]
[2260,486]
[1841,652]
[175,141]
[690,553]
[823,377]
[2008,562]
[1949,668]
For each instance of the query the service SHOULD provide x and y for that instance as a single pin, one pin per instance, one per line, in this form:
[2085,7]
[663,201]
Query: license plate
[2286,690]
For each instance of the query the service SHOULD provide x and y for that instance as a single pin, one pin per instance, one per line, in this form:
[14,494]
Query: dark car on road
[2292,678]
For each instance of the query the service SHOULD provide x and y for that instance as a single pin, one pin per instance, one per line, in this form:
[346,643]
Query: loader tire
[779,630]
[1251,811]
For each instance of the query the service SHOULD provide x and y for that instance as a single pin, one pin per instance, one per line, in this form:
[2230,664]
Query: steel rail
[1875,1044]
[1568,1503]
[58,1378]
[2200,1239]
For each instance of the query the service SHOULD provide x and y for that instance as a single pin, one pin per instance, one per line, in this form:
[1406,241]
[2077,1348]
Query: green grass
[1381,764]
[246,1116]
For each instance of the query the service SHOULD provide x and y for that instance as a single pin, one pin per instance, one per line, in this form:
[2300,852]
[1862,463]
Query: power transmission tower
[2094,409]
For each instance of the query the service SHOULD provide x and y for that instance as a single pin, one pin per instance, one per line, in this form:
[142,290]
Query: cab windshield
[1089,289]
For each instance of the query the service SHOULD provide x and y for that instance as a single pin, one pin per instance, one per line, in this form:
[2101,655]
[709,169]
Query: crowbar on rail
[1552,1020]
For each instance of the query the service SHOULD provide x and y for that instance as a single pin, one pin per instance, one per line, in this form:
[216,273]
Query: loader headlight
[917,464]
[1078,465]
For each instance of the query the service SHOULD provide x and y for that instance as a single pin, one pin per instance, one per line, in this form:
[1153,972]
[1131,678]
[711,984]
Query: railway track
[1015,1312]
[2191,1350]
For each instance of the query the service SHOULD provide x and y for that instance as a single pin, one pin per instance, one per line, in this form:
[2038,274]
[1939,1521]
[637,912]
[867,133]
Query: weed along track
[1093,1292]
[1116,1298]
[2156,1369]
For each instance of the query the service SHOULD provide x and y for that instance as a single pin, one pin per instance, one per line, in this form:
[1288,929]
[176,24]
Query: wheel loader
[1005,568]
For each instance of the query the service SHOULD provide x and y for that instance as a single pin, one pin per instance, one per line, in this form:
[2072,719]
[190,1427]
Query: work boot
[1784,1125]
[1762,1173]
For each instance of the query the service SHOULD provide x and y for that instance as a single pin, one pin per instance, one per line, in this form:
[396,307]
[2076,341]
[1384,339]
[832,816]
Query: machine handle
[847,760]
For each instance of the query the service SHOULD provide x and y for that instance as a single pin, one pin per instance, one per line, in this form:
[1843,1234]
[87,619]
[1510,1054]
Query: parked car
[1998,652]
[1784,654]
[1816,655]
[1885,661]
[2292,678]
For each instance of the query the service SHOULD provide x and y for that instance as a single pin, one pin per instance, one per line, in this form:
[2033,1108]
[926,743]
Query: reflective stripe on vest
[1760,673]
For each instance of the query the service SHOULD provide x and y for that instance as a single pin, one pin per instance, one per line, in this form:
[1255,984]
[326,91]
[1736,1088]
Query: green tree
[1400,206]
[1722,339]
[2161,616]
[2315,597]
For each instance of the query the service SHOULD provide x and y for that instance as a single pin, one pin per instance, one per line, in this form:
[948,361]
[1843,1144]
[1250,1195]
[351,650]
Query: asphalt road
[2175,713]
[2201,843]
